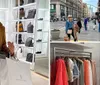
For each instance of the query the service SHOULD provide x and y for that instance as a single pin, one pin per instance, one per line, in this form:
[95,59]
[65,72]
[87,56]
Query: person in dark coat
[79,24]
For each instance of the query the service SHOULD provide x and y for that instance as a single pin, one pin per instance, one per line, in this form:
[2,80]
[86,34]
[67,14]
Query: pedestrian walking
[85,23]
[99,23]
[94,26]
[79,24]
[69,27]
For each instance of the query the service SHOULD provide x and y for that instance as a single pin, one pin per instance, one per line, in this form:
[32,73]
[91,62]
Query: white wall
[4,3]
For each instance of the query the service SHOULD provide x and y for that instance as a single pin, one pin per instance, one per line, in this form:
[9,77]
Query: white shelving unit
[42,12]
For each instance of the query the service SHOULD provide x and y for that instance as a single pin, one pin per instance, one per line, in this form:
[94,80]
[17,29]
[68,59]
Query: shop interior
[74,51]
[27,25]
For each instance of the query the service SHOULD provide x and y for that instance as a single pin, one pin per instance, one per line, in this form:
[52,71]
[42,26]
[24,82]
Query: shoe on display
[40,19]
[39,52]
[39,30]
[39,40]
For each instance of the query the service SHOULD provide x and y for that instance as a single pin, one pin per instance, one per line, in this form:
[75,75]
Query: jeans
[85,25]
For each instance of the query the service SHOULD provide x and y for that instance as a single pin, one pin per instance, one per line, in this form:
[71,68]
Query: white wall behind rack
[4,3]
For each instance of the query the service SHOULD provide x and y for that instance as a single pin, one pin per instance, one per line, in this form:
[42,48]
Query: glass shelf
[25,6]
[23,46]
[23,20]
[23,59]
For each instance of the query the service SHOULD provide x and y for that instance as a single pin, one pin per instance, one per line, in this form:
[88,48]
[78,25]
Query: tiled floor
[39,80]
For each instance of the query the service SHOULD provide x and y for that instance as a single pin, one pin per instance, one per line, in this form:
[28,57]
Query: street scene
[90,35]
[75,20]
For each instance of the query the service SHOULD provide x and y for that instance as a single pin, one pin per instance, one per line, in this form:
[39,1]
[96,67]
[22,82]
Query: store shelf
[25,6]
[23,59]
[23,33]
[23,46]
[43,9]
[32,19]
[42,42]
[42,31]
[3,9]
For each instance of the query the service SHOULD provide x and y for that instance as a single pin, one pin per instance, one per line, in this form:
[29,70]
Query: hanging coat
[58,73]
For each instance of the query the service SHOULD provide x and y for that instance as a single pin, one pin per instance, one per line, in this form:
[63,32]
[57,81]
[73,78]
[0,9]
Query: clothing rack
[62,52]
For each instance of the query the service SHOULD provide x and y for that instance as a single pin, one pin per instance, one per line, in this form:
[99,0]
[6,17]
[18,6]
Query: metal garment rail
[62,52]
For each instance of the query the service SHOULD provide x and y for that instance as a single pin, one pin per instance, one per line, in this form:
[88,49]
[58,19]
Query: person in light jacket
[69,27]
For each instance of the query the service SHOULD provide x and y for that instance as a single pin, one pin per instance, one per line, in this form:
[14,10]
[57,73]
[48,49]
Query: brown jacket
[3,46]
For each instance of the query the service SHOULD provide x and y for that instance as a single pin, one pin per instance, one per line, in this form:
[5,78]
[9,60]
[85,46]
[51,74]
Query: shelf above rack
[25,6]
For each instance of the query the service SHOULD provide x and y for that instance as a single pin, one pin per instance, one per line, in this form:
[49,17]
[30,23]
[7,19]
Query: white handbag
[18,73]
[69,32]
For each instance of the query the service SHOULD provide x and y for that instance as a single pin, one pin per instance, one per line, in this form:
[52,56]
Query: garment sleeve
[67,26]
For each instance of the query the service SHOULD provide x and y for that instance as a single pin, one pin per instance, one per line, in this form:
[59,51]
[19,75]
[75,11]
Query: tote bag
[18,73]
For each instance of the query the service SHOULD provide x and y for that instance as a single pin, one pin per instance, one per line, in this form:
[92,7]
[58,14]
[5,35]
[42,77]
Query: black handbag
[28,42]
[29,57]
[30,28]
[31,1]
[31,13]
[22,13]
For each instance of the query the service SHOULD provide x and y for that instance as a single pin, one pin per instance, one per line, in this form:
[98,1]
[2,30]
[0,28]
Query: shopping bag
[69,32]
[18,73]
[66,38]
[4,80]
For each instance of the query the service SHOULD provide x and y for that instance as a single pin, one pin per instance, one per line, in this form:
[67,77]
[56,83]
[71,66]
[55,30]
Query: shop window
[52,6]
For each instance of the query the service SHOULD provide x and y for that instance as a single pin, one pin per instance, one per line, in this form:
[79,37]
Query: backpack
[31,13]
[29,57]
[28,42]
[30,28]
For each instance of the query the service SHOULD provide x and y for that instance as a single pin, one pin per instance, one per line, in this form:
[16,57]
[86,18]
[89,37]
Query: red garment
[59,74]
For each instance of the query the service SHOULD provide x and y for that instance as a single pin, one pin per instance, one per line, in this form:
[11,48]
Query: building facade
[86,12]
[66,7]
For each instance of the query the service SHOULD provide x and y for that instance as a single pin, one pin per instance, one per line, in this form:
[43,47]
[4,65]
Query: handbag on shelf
[22,13]
[19,1]
[19,53]
[30,28]
[69,31]
[31,1]
[29,57]
[28,42]
[19,27]
[31,13]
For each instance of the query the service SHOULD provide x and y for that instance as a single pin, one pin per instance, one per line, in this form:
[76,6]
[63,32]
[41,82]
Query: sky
[92,2]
